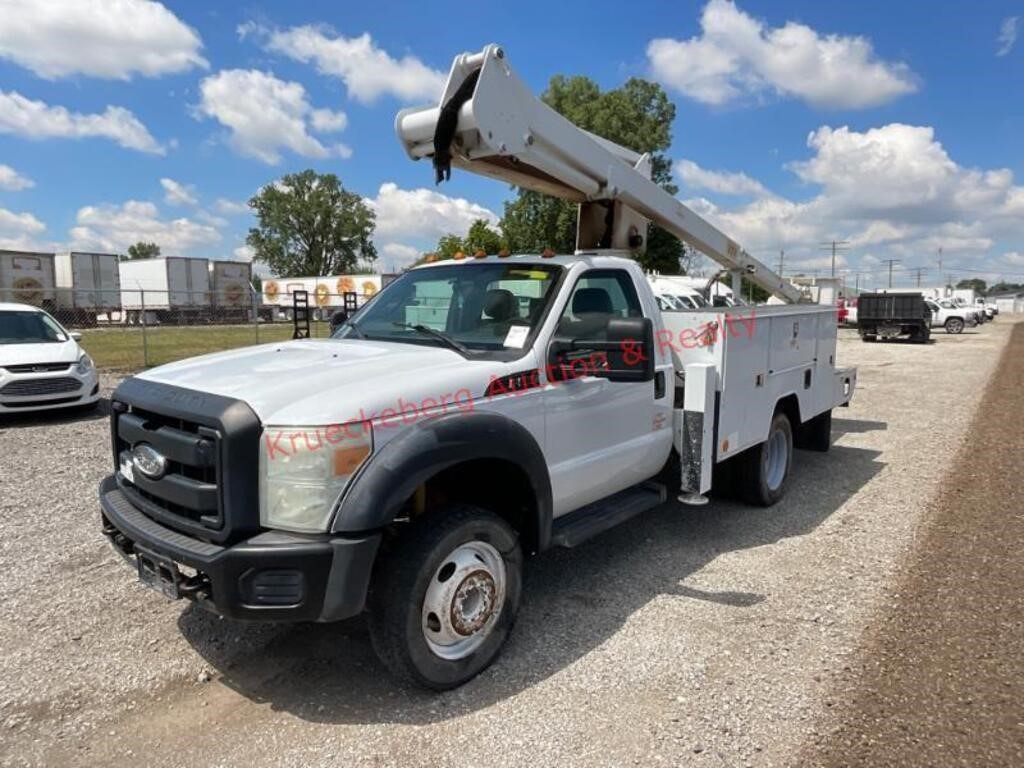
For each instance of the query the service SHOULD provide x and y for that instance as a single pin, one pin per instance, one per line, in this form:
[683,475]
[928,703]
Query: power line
[835,246]
[891,262]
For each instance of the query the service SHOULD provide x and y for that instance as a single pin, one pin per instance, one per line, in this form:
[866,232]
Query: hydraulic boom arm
[489,123]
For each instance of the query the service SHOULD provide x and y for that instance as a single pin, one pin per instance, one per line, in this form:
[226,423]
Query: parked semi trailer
[231,290]
[27,277]
[325,294]
[172,289]
[407,465]
[88,285]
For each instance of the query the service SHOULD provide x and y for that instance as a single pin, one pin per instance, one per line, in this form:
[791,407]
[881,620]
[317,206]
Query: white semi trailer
[88,285]
[476,412]
[231,290]
[27,277]
[325,294]
[173,289]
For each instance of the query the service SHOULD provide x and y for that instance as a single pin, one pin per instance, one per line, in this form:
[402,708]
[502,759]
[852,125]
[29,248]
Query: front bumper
[86,393]
[274,576]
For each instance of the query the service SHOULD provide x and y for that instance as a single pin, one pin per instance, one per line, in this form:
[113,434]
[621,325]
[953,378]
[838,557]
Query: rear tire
[765,468]
[954,325]
[468,562]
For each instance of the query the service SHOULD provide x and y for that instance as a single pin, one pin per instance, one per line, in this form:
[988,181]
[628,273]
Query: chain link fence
[132,329]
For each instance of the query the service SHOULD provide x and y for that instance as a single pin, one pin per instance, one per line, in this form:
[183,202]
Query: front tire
[765,468]
[444,596]
[954,325]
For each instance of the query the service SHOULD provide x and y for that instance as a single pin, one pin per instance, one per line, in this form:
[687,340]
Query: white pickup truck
[949,315]
[473,413]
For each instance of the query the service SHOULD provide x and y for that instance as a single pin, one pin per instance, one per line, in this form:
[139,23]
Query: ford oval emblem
[149,461]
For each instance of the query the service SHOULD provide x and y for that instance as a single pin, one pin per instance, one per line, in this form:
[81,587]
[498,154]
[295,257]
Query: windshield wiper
[426,329]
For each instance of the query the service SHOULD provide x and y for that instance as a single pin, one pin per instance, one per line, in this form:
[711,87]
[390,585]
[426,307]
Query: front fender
[428,447]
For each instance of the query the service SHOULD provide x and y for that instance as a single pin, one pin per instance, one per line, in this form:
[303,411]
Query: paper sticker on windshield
[516,336]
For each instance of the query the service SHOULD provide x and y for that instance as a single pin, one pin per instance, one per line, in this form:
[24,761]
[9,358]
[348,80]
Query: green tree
[482,236]
[976,283]
[448,246]
[309,224]
[141,250]
[637,115]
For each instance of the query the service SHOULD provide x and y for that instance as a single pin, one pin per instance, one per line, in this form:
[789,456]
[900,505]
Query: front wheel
[765,468]
[954,325]
[445,595]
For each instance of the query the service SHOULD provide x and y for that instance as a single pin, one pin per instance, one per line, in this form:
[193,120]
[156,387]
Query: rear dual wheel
[765,468]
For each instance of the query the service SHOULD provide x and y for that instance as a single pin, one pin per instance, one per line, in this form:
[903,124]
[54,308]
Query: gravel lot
[702,636]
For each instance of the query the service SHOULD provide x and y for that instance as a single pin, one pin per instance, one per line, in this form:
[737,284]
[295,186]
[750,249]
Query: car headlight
[85,364]
[303,471]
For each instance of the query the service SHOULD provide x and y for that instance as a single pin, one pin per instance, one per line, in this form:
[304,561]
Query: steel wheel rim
[775,460]
[464,600]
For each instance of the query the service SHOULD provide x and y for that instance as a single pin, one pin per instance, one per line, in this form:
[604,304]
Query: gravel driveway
[707,635]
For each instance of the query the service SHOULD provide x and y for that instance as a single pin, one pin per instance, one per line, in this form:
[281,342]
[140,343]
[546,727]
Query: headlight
[303,471]
[84,364]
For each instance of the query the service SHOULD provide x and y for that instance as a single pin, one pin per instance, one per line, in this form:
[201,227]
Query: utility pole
[782,260]
[835,246]
[890,262]
[919,271]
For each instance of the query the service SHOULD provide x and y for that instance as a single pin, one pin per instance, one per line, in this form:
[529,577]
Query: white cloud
[20,231]
[725,183]
[20,223]
[367,71]
[327,121]
[737,55]
[36,120]
[98,38]
[176,193]
[266,115]
[244,253]
[893,189]
[398,255]
[1014,258]
[13,181]
[115,227]
[423,213]
[1007,35]
[230,207]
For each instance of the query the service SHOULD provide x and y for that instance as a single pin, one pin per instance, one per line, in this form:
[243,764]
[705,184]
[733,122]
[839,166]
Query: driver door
[601,436]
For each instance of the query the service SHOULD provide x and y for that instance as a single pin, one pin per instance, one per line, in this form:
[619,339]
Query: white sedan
[41,364]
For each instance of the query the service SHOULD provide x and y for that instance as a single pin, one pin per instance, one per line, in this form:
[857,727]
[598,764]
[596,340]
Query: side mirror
[75,336]
[337,319]
[617,349]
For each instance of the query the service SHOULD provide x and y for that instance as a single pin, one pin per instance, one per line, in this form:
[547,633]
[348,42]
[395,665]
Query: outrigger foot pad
[693,499]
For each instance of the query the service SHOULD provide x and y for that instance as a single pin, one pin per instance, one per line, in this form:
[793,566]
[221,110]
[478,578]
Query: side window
[598,295]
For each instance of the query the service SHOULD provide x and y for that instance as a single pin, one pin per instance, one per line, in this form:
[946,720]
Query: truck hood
[46,352]
[330,381]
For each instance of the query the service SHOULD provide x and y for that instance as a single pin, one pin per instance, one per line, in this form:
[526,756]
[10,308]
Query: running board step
[585,523]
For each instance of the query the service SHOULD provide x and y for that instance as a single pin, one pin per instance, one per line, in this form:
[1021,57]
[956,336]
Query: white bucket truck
[475,412]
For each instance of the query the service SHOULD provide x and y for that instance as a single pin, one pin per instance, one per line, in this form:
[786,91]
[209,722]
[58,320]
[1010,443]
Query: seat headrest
[591,301]
[500,304]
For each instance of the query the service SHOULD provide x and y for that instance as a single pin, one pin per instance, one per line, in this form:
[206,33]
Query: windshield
[28,327]
[488,306]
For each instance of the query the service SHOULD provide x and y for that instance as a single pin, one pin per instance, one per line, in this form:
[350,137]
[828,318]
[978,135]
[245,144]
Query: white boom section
[505,132]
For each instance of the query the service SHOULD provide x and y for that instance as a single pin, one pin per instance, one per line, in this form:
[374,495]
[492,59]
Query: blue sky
[797,122]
